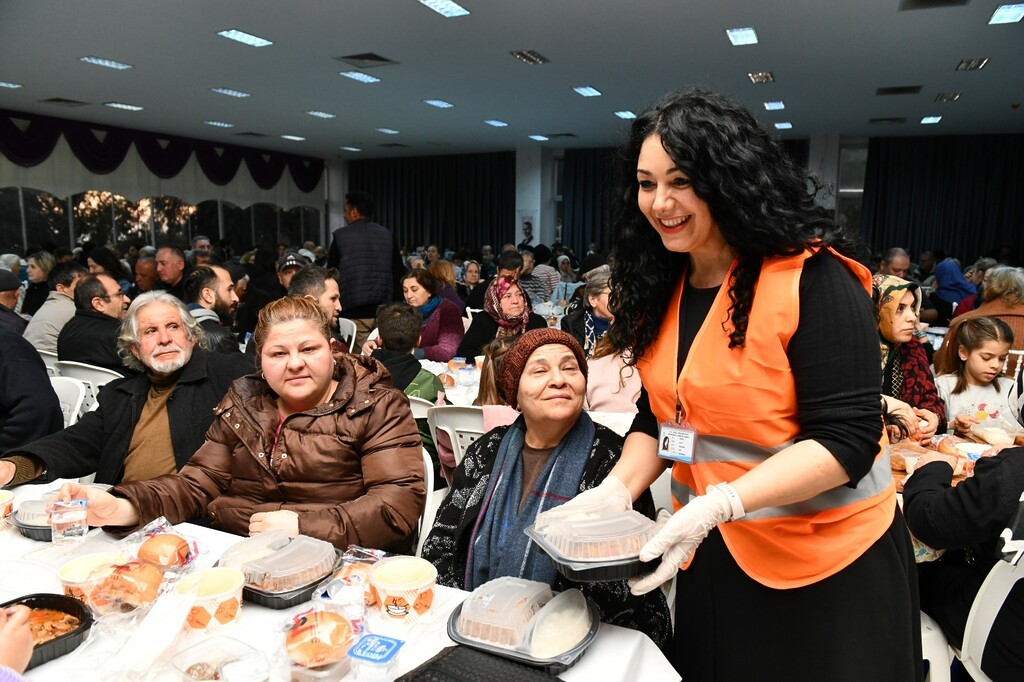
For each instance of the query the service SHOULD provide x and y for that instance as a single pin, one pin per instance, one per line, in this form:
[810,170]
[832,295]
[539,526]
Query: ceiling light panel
[626,115]
[219,124]
[446,8]
[5,84]
[109,63]
[587,91]
[359,76]
[352,149]
[496,123]
[244,38]
[976,64]
[122,105]
[1007,14]
[230,93]
[439,103]
[774,106]
[783,125]
[293,138]
[928,120]
[742,36]
[539,138]
[759,77]
[321,114]
[387,131]
[531,57]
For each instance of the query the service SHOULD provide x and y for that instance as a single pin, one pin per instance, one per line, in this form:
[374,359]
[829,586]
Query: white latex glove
[677,540]
[611,493]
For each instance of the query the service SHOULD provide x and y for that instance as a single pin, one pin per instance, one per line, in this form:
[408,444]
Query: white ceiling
[828,59]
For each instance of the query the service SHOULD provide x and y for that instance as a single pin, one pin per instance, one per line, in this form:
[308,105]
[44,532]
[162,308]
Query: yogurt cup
[402,588]
[79,575]
[6,503]
[218,597]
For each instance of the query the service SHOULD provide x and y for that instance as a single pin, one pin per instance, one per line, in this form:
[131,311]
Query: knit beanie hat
[514,361]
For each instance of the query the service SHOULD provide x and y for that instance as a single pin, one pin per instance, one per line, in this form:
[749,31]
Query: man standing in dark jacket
[146,425]
[91,335]
[369,262]
[212,302]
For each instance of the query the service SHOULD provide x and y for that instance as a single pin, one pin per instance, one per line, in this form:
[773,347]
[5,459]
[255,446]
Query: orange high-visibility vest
[743,404]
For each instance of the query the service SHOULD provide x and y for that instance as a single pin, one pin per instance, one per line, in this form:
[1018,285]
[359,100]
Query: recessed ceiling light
[947,97]
[496,123]
[359,76]
[927,120]
[758,77]
[321,114]
[352,149]
[742,36]
[5,84]
[122,105]
[244,38]
[229,92]
[446,8]
[531,57]
[1007,14]
[783,125]
[587,91]
[439,103]
[975,64]
[774,106]
[109,63]
[293,138]
[539,138]
[387,131]
[219,124]
[625,114]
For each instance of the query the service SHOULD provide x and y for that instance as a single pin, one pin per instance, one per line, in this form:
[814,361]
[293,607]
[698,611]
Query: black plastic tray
[592,571]
[65,644]
[554,666]
[285,600]
[40,533]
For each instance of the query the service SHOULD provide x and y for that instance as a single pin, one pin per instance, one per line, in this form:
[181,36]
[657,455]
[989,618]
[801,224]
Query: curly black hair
[762,203]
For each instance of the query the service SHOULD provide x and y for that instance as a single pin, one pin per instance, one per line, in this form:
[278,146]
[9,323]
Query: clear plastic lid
[251,549]
[571,513]
[302,561]
[33,513]
[499,611]
[611,537]
[560,625]
[203,660]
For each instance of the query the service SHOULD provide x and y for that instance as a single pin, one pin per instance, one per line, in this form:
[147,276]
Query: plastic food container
[33,513]
[563,514]
[499,611]
[251,549]
[553,665]
[66,643]
[375,658]
[324,673]
[218,597]
[79,575]
[597,549]
[302,561]
[559,626]
[42,533]
[402,587]
[222,658]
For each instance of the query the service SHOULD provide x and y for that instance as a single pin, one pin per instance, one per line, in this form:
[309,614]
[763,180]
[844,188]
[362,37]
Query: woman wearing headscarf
[905,371]
[551,453]
[565,271]
[951,287]
[507,312]
[442,329]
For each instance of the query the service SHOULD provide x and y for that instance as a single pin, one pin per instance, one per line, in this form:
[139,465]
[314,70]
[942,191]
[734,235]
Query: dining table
[120,647]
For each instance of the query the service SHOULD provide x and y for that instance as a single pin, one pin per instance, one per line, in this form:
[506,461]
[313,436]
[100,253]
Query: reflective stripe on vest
[749,393]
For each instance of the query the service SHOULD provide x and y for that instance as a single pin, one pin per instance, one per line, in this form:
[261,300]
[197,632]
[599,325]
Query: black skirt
[862,624]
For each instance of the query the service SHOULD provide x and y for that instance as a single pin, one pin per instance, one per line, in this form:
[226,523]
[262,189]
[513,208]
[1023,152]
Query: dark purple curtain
[586,184]
[101,149]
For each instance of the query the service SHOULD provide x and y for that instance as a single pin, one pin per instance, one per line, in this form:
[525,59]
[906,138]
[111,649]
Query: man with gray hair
[146,425]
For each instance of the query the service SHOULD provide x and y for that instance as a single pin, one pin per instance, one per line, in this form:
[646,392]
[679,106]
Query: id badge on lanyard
[677,440]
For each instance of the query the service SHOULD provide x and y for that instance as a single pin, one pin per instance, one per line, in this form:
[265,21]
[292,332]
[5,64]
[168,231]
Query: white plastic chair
[463,425]
[434,499]
[50,360]
[1014,363]
[934,649]
[419,407]
[71,395]
[347,327]
[93,377]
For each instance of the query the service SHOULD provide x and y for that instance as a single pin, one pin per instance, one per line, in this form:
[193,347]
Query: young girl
[974,392]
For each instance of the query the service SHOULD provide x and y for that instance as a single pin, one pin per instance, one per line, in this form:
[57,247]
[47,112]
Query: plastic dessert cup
[218,597]
[79,575]
[402,587]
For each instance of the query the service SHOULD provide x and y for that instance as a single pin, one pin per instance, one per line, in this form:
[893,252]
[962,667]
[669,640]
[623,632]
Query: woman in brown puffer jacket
[314,444]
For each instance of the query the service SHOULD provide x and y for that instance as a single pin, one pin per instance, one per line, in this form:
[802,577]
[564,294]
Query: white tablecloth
[27,566]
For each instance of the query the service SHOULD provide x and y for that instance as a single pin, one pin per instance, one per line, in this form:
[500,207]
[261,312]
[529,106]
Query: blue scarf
[428,308]
[498,545]
[950,284]
[594,329]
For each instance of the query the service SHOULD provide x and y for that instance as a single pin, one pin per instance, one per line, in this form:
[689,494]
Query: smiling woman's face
[552,386]
[297,363]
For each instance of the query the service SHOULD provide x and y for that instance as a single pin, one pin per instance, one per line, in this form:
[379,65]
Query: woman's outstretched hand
[104,509]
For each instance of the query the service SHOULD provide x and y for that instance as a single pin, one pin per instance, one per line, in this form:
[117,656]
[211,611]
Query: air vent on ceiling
[947,97]
[975,64]
[759,77]
[393,145]
[250,134]
[899,90]
[930,4]
[886,121]
[366,60]
[555,136]
[63,102]
[531,57]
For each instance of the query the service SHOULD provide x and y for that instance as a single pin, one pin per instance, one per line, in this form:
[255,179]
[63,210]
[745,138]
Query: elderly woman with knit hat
[550,454]
[905,371]
[506,313]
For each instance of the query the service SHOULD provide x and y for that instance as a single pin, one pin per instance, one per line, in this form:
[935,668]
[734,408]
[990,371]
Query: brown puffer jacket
[351,468]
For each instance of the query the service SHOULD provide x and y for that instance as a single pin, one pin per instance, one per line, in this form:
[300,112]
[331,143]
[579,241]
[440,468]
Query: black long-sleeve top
[835,359]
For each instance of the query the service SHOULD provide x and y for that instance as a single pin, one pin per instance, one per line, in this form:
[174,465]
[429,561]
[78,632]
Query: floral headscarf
[507,326]
[888,291]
